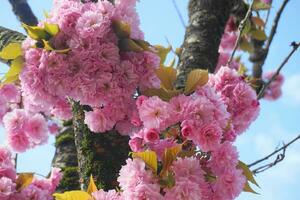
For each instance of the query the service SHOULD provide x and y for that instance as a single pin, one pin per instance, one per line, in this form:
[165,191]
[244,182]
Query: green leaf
[11,51]
[130,45]
[149,157]
[122,29]
[246,46]
[36,32]
[72,195]
[259,35]
[247,173]
[24,180]
[92,186]
[259,5]
[196,78]
[13,73]
[162,52]
[168,181]
[52,29]
[162,93]
[246,28]
[167,76]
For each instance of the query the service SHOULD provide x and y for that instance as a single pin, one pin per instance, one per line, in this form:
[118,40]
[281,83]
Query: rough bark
[66,158]
[23,12]
[207,20]
[99,154]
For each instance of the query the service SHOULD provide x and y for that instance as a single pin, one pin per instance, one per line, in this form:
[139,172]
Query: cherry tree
[127,124]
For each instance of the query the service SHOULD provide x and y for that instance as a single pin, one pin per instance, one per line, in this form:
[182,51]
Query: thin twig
[241,29]
[283,148]
[179,13]
[275,25]
[265,167]
[16,161]
[268,14]
[267,84]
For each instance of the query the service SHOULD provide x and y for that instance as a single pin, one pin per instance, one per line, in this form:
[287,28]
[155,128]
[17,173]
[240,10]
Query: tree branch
[241,29]
[23,12]
[260,53]
[278,159]
[267,84]
[179,13]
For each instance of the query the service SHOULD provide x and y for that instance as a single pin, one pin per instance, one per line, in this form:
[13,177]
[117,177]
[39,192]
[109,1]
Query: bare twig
[269,11]
[275,25]
[267,84]
[179,13]
[258,57]
[241,29]
[16,161]
[278,159]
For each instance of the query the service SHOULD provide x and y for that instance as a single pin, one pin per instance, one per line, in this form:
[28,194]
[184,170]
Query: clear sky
[278,121]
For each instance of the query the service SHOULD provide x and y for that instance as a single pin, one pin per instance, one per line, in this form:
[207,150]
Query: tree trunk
[99,154]
[66,158]
[207,20]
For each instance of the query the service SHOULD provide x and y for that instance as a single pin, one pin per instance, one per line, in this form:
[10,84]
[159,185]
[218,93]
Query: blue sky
[278,121]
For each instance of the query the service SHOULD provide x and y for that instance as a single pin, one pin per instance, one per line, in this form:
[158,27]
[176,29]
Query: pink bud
[151,135]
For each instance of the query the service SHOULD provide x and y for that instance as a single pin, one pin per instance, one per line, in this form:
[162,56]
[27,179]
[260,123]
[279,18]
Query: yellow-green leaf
[149,157]
[167,76]
[242,70]
[72,195]
[247,173]
[130,45]
[246,46]
[92,186]
[48,47]
[52,29]
[247,188]
[122,29]
[162,93]
[259,5]
[36,32]
[178,51]
[259,35]
[169,156]
[13,73]
[46,14]
[24,180]
[162,52]
[11,51]
[246,28]
[196,78]
[143,44]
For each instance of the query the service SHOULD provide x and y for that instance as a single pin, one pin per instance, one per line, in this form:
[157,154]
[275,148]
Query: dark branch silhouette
[267,84]
[23,12]
[280,157]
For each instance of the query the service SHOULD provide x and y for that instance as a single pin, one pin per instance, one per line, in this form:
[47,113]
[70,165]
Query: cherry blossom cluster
[204,123]
[227,44]
[273,91]
[94,71]
[37,189]
[24,129]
